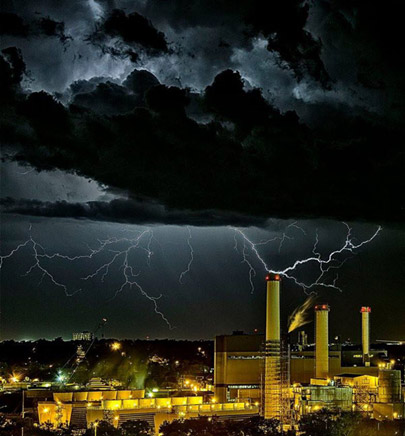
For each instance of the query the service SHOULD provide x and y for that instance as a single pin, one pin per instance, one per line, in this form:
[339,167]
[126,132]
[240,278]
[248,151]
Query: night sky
[160,139]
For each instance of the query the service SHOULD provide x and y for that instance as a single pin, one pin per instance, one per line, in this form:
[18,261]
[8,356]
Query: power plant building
[335,376]
[238,366]
[257,374]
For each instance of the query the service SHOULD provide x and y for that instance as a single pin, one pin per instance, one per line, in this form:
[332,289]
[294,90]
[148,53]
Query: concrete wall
[237,362]
[389,411]
[303,369]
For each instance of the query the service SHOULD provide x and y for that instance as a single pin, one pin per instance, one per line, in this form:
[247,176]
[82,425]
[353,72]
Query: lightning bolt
[296,226]
[45,272]
[324,264]
[283,237]
[108,245]
[235,245]
[26,172]
[187,270]
[252,271]
[148,248]
[37,263]
[12,252]
[142,240]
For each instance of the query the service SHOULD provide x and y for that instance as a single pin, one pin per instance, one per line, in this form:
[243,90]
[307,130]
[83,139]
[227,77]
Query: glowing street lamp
[115,346]
[15,378]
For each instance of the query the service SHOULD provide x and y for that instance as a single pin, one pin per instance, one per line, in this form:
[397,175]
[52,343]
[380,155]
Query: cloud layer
[326,140]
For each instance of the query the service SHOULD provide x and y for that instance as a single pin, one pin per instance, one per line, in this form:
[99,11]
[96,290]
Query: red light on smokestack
[273,278]
[322,307]
[365,309]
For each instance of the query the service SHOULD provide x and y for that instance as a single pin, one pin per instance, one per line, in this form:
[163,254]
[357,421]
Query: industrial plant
[289,383]
[253,375]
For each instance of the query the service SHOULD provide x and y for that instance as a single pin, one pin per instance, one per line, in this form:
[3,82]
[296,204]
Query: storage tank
[389,386]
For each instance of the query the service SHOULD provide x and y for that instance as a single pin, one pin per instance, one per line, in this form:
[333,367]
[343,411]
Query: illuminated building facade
[86,408]
[83,336]
[238,366]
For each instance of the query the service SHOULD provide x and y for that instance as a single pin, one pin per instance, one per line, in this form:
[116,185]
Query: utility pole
[22,413]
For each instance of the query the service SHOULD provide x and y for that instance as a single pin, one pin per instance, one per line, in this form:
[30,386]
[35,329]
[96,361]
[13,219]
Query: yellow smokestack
[321,341]
[273,308]
[365,326]
[272,377]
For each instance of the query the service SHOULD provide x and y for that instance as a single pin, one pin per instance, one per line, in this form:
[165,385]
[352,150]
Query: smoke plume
[300,315]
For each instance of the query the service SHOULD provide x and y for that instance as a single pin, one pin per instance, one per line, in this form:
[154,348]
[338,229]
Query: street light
[115,346]
[15,378]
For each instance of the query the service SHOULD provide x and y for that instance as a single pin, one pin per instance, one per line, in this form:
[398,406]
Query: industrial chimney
[365,335]
[321,341]
[272,377]
[273,308]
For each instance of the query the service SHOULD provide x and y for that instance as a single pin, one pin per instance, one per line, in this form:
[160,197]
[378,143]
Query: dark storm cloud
[226,147]
[12,70]
[306,44]
[105,97]
[282,23]
[14,25]
[126,211]
[250,159]
[132,29]
[362,49]
[123,36]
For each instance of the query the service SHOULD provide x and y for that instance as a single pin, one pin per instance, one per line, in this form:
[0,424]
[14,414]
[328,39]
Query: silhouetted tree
[136,428]
[104,428]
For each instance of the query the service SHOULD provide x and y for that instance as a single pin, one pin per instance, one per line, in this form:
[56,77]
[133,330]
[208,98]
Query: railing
[187,408]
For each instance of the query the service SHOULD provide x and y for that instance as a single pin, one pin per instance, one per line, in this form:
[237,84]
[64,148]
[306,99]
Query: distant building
[302,339]
[97,383]
[83,336]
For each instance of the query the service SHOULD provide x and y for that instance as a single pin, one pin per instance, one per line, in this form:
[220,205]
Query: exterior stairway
[78,418]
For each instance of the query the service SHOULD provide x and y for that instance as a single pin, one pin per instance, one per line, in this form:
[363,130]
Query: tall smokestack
[273,308]
[365,327]
[321,341]
[272,379]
